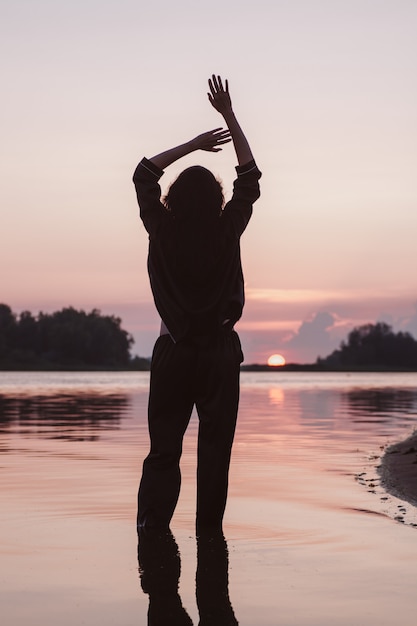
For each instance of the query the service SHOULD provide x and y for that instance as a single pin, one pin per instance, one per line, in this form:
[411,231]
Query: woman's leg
[217,406]
[169,412]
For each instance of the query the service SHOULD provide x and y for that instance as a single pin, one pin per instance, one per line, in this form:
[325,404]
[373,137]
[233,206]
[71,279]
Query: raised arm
[220,99]
[211,141]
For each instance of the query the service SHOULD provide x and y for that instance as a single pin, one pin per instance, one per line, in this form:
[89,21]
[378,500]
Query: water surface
[311,536]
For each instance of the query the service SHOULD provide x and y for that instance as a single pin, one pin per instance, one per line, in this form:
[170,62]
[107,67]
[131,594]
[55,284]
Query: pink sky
[326,92]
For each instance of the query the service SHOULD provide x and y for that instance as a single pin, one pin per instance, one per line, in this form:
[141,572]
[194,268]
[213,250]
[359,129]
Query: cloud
[295,295]
[409,323]
[315,338]
[323,297]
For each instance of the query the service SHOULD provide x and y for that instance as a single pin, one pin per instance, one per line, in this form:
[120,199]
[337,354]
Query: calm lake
[312,537]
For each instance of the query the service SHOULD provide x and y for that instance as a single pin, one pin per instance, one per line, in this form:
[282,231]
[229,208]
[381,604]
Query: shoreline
[398,469]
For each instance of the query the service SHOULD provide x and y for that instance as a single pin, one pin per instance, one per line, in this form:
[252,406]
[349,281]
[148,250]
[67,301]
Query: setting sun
[276,360]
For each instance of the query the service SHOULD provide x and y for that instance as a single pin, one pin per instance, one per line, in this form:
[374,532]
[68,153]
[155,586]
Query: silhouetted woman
[197,283]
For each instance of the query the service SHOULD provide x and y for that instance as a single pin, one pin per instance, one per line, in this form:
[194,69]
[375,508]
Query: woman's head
[195,193]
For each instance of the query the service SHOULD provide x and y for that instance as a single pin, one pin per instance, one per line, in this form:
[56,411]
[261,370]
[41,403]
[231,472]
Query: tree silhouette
[64,338]
[7,329]
[374,345]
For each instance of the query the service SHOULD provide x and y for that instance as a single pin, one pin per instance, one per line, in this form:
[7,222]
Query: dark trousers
[203,372]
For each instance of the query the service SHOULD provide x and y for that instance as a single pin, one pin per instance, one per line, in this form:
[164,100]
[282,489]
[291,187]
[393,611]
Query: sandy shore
[398,470]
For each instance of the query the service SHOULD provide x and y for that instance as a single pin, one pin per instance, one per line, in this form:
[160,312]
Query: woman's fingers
[212,89]
[212,138]
[216,85]
[224,138]
[219,133]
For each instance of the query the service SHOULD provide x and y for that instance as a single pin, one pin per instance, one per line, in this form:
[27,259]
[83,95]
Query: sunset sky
[326,91]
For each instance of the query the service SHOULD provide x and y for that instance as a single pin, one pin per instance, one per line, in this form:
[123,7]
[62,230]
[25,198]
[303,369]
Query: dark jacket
[194,265]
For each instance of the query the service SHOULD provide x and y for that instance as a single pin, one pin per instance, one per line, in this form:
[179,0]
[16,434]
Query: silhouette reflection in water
[71,416]
[383,402]
[160,568]
[212,581]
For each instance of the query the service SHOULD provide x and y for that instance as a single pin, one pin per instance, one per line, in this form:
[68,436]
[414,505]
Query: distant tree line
[65,339]
[71,339]
[373,346]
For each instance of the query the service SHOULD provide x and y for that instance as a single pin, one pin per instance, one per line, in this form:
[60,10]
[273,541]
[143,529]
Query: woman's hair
[196,193]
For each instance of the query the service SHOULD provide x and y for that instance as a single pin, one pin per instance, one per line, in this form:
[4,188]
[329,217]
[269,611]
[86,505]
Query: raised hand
[220,99]
[211,140]
[219,96]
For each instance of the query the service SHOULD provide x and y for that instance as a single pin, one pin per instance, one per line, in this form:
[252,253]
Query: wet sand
[398,469]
